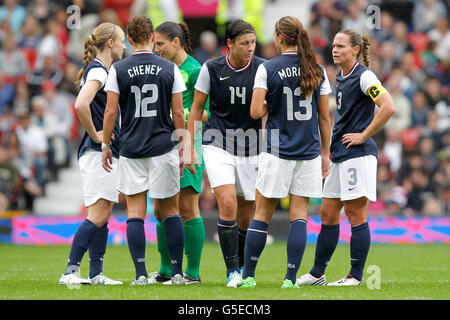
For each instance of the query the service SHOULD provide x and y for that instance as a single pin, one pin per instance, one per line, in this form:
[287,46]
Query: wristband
[105,146]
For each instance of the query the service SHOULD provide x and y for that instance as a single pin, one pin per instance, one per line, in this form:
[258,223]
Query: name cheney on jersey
[289,72]
[144,69]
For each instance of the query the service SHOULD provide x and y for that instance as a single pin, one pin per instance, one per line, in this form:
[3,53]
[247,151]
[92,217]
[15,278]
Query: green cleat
[289,284]
[248,282]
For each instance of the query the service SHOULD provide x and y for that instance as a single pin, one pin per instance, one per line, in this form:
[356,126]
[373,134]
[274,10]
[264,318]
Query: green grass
[407,272]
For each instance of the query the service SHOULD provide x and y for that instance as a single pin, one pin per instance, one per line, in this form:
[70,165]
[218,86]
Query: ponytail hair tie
[284,34]
[93,37]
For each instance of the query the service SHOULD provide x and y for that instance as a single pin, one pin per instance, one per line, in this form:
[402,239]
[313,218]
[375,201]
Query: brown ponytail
[97,39]
[187,44]
[293,33]
[361,41]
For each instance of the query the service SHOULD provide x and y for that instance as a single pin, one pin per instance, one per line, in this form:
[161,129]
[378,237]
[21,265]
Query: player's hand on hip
[352,139]
[107,160]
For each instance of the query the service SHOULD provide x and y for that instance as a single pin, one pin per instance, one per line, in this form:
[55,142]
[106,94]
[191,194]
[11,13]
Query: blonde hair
[361,41]
[97,39]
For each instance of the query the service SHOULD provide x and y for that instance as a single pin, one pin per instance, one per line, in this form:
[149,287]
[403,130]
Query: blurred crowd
[410,47]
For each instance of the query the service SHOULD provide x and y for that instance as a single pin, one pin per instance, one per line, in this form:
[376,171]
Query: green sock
[166,264]
[194,239]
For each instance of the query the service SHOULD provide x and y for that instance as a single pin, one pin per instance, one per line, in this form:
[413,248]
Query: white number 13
[302,103]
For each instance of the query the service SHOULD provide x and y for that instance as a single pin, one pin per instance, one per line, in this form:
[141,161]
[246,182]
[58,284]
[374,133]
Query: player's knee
[228,206]
[355,217]
[189,213]
[244,220]
[328,219]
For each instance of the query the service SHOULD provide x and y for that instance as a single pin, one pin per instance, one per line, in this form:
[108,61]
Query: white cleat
[101,279]
[347,282]
[310,280]
[73,278]
[141,281]
[234,279]
[178,280]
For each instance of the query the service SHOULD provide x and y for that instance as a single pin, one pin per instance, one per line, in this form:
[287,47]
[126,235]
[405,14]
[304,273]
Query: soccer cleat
[178,280]
[248,282]
[233,279]
[310,280]
[141,281]
[287,284]
[101,279]
[156,277]
[187,279]
[191,280]
[346,281]
[73,278]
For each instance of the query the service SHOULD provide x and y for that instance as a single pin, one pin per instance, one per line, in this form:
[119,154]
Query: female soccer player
[231,140]
[145,85]
[173,43]
[296,89]
[99,188]
[352,178]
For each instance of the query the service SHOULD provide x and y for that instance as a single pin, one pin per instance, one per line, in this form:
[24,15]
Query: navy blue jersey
[145,84]
[354,113]
[230,94]
[97,106]
[293,118]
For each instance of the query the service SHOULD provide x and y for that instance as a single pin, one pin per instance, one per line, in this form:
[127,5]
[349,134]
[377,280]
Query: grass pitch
[405,272]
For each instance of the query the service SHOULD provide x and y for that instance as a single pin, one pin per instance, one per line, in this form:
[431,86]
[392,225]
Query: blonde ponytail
[365,50]
[89,52]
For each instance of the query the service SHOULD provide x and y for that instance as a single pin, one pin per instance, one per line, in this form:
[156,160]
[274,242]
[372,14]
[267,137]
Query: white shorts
[97,183]
[277,178]
[224,168]
[159,175]
[352,179]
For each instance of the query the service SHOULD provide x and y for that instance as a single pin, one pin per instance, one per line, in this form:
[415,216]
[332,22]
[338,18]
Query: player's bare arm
[195,116]
[386,111]
[82,107]
[258,107]
[109,121]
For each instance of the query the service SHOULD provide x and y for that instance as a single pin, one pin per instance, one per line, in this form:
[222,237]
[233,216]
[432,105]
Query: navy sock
[359,249]
[136,245]
[175,242]
[254,246]
[81,242]
[296,244]
[97,250]
[326,244]
[228,238]
[242,236]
